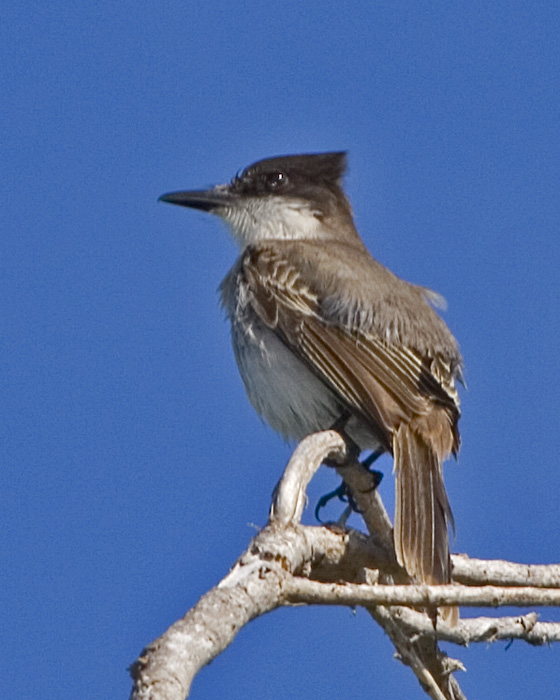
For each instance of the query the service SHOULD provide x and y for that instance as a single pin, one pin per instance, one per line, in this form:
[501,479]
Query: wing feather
[383,384]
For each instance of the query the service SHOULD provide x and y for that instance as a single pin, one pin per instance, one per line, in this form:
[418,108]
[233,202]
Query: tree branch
[287,563]
[300,591]
[504,573]
[484,629]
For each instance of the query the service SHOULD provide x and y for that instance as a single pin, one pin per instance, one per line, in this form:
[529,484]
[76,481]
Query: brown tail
[422,512]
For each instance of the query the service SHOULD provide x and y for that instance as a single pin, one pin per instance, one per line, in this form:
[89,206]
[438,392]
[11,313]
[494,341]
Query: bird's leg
[352,450]
[342,492]
[368,461]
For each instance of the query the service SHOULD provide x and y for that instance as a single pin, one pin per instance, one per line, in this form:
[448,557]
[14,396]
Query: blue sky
[134,469]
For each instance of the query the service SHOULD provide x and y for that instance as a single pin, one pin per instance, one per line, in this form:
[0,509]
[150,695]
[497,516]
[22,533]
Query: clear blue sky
[134,470]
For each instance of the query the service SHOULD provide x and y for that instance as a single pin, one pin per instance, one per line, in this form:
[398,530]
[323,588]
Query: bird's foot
[343,493]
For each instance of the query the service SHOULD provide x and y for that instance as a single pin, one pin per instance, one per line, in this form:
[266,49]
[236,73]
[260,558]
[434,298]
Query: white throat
[264,218]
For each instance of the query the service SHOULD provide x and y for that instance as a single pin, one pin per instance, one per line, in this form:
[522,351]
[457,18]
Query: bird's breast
[281,387]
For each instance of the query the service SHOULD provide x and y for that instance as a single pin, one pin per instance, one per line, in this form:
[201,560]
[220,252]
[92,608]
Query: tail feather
[422,512]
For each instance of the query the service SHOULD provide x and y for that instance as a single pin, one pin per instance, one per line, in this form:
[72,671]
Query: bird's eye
[276,181]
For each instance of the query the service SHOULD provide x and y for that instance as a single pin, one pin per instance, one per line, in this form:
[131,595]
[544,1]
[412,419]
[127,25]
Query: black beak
[207,200]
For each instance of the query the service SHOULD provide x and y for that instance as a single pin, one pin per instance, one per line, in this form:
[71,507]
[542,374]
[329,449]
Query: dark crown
[292,174]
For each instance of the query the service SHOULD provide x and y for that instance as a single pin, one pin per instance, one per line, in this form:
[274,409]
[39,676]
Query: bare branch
[484,629]
[287,563]
[314,593]
[504,573]
[361,484]
[290,493]
[421,654]
[166,667]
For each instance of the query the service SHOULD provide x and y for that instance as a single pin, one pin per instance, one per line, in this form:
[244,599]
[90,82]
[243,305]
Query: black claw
[342,492]
[377,476]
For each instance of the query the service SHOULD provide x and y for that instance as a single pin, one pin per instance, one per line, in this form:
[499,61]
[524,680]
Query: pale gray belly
[283,390]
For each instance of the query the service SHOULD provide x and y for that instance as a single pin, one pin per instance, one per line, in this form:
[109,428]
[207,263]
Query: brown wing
[382,384]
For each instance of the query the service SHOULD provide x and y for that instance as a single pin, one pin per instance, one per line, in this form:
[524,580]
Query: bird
[325,335]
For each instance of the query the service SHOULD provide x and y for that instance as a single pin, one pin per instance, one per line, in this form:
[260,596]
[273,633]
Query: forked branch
[288,563]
